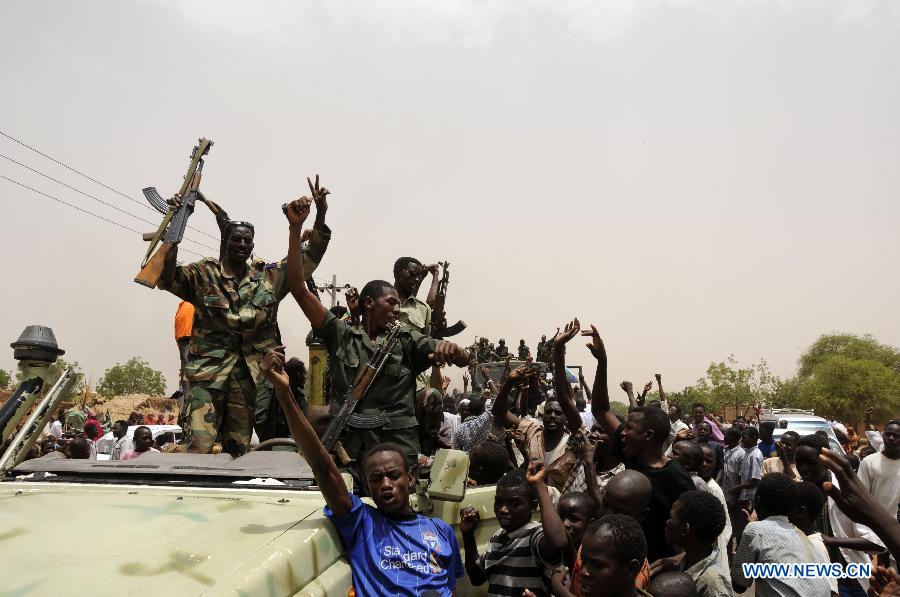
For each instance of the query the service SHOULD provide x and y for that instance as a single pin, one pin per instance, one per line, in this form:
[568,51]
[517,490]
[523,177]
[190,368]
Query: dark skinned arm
[584,387]
[469,522]
[662,394]
[600,404]
[628,388]
[309,303]
[554,540]
[500,410]
[858,504]
[564,394]
[590,474]
[857,543]
[557,588]
[434,270]
[328,477]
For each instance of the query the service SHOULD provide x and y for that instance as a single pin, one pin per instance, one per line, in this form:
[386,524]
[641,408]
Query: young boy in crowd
[520,552]
[709,459]
[672,584]
[750,474]
[143,443]
[810,501]
[690,455]
[612,552]
[773,539]
[628,494]
[698,518]
[577,510]
[382,541]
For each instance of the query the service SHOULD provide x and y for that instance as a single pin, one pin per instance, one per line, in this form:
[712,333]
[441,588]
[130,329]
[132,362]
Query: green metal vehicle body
[184,524]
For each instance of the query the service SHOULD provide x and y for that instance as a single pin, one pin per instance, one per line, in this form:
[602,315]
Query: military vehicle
[186,524]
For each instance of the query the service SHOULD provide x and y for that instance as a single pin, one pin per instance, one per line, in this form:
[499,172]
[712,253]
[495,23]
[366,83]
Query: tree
[134,377]
[58,367]
[842,374]
[5,379]
[726,384]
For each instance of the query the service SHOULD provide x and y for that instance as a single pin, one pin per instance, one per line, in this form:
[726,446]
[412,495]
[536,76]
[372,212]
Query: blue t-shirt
[768,449]
[398,557]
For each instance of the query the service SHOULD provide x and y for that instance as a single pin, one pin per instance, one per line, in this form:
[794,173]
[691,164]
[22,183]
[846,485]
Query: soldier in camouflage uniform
[236,310]
[484,351]
[524,351]
[387,411]
[502,349]
[542,350]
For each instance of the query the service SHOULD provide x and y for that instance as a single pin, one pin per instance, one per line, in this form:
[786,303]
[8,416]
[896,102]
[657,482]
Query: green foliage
[5,379]
[618,408]
[58,367]
[841,374]
[726,384]
[134,377]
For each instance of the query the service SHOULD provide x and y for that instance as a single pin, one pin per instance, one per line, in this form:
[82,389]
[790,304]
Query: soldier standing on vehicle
[524,351]
[387,412]
[408,275]
[236,307]
[502,349]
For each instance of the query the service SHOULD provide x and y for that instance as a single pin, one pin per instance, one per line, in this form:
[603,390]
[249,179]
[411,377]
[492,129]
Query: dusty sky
[696,177]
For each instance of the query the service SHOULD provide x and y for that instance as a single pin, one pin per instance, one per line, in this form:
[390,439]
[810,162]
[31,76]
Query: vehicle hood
[132,539]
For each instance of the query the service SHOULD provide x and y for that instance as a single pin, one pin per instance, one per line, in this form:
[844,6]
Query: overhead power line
[81,209]
[97,199]
[94,180]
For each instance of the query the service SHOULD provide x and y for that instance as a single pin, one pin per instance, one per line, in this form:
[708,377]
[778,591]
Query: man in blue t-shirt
[392,550]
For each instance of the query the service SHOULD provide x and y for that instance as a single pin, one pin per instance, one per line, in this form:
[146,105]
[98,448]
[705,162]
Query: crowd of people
[589,503]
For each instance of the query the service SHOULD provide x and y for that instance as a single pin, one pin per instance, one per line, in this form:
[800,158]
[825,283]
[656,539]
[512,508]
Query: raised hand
[433,269]
[298,211]
[658,377]
[852,497]
[469,519]
[627,386]
[536,472]
[571,330]
[647,386]
[272,366]
[319,194]
[596,344]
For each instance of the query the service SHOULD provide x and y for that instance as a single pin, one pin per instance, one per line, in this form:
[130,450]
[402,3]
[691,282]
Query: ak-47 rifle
[439,327]
[364,379]
[171,230]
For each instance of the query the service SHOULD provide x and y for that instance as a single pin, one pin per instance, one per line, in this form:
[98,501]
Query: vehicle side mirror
[449,473]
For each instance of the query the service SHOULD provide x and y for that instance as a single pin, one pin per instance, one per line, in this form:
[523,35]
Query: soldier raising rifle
[236,307]
[387,412]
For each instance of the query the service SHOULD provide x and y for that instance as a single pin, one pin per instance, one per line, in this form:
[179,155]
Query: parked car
[804,422]
[105,444]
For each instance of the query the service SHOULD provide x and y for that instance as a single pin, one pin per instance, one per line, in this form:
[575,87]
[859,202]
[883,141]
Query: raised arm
[326,472]
[859,505]
[600,405]
[554,540]
[643,395]
[663,403]
[297,212]
[434,270]
[564,394]
[500,410]
[584,386]
[628,388]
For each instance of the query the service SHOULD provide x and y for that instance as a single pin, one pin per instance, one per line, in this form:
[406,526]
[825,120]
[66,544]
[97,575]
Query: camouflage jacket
[235,319]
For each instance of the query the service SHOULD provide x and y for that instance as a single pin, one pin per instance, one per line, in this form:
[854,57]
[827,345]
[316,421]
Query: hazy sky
[696,177]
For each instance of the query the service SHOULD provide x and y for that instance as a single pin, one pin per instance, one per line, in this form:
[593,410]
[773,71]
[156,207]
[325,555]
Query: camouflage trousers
[221,414]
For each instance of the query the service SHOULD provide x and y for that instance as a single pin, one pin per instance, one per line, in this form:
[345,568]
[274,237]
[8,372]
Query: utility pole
[333,288]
